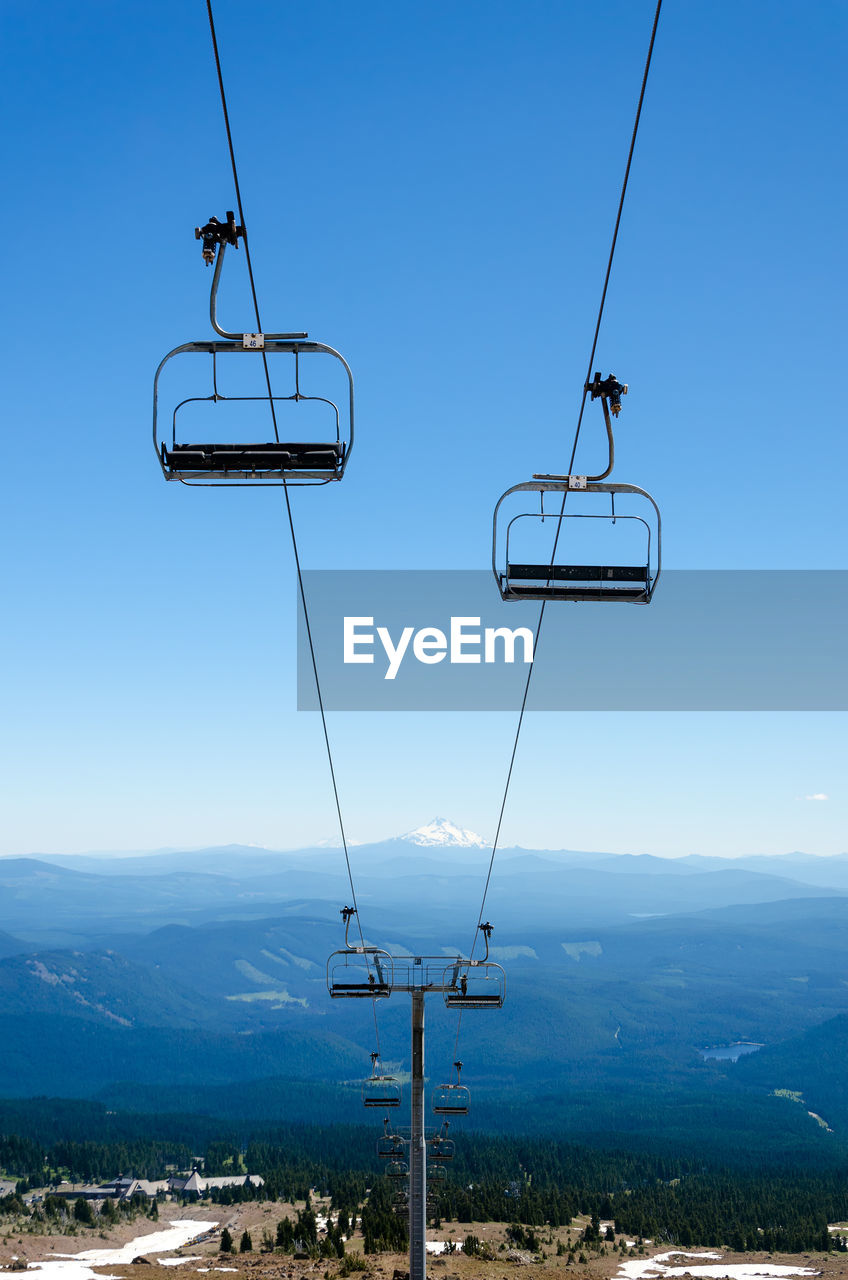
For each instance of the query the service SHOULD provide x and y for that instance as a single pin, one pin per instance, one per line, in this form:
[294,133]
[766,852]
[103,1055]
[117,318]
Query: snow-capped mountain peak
[441,832]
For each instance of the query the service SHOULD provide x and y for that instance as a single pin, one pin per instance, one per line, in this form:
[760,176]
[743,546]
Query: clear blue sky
[430,189]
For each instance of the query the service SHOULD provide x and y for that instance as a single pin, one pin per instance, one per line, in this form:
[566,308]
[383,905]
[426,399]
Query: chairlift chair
[397,1170]
[380,1089]
[440,1147]
[553,573]
[364,973]
[391,1146]
[475,984]
[452,1099]
[608,583]
[227,462]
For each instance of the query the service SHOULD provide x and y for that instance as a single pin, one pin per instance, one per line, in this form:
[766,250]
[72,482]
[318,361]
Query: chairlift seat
[580,572]
[572,581]
[365,989]
[477,984]
[360,973]
[456,1000]
[218,460]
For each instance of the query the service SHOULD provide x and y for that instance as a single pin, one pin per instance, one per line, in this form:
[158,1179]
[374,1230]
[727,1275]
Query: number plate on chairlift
[253,341]
[577,482]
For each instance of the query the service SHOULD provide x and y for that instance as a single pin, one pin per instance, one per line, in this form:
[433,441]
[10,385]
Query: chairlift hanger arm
[609,391]
[347,914]
[213,304]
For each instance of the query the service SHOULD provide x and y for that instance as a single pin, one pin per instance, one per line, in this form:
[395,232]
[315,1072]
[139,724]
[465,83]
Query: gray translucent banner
[711,640]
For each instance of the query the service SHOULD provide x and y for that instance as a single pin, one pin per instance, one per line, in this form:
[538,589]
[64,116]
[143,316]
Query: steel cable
[289,513]
[561,515]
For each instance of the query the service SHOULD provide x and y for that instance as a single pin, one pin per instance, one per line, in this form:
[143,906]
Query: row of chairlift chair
[383,1090]
[440,1149]
[368,973]
[528,562]
[448,1100]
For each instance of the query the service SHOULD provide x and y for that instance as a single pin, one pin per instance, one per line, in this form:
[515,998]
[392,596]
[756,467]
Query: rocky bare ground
[202,1256]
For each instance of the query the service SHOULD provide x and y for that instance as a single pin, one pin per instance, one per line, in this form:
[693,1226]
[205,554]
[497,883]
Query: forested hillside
[533,1182]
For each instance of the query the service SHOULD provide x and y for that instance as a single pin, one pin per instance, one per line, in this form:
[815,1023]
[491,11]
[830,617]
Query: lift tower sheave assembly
[357,972]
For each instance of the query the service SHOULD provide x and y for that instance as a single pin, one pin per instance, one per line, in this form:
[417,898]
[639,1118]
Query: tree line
[531,1182]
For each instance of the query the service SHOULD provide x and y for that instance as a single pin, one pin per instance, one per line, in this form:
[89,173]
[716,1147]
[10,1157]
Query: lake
[730,1052]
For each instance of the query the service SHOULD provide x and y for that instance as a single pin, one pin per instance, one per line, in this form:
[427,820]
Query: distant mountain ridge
[191,971]
[440,867]
[438,833]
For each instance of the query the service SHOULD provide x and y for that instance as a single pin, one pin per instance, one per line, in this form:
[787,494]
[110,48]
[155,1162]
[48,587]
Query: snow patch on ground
[662,1265]
[78,1266]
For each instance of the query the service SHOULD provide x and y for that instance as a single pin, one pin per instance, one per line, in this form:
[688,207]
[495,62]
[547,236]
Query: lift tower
[370,973]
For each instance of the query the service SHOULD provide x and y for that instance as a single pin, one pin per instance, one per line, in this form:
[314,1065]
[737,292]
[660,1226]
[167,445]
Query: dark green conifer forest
[533,1183]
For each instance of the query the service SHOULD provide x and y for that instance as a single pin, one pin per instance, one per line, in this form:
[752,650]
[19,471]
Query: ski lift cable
[561,514]
[289,513]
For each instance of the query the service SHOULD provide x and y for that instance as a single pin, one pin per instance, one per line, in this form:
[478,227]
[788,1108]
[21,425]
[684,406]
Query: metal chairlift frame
[455,985]
[295,344]
[390,1147]
[380,1089]
[647,576]
[371,988]
[441,1149]
[609,391]
[380,988]
[385,1092]
[452,1099]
